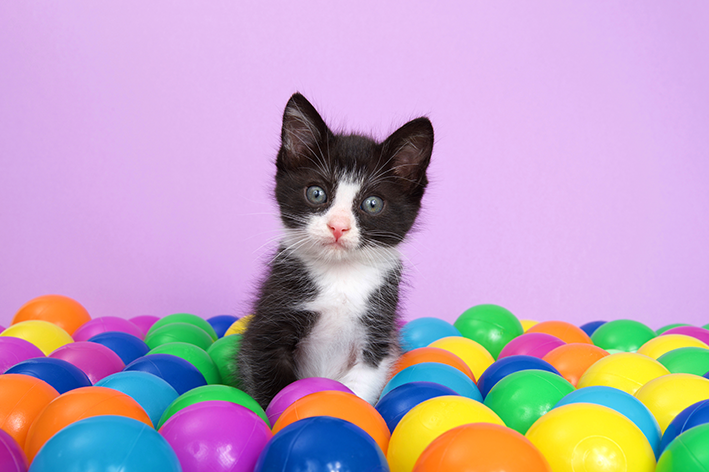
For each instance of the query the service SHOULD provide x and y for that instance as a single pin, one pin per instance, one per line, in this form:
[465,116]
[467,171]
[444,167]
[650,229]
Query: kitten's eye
[372,205]
[316,195]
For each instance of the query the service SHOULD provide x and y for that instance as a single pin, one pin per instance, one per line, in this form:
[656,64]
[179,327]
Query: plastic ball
[668,327]
[213,393]
[531,344]
[694,415]
[61,375]
[508,365]
[667,396]
[221,323]
[107,443]
[572,360]
[152,393]
[482,447]
[62,311]
[22,399]
[239,325]
[688,452]
[561,329]
[12,457]
[693,331]
[421,332]
[526,324]
[625,404]
[300,446]
[127,346]
[592,438]
[297,390]
[394,405]
[438,373]
[668,342]
[43,334]
[95,360]
[590,327]
[223,352]
[15,350]
[196,356]
[523,397]
[188,318]
[78,404]
[179,373]
[427,421]
[622,335]
[432,354]
[471,352]
[686,360]
[216,436]
[625,371]
[343,405]
[490,325]
[106,324]
[178,332]
[144,322]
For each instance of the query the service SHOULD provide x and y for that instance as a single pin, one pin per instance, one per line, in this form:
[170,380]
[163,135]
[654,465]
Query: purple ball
[693,331]
[144,322]
[15,350]
[95,360]
[216,436]
[531,344]
[298,390]
[12,457]
[105,324]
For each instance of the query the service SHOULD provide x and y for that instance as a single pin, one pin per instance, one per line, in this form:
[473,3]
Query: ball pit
[573,360]
[591,327]
[106,324]
[491,325]
[95,360]
[179,373]
[701,334]
[60,374]
[127,346]
[562,330]
[668,395]
[469,351]
[22,399]
[622,335]
[625,371]
[144,322]
[65,312]
[692,416]
[432,354]
[221,323]
[222,352]
[395,404]
[178,332]
[665,343]
[688,452]
[298,390]
[195,355]
[12,457]
[15,350]
[508,365]
[43,334]
[423,331]
[686,360]
[438,373]
[187,318]
[531,344]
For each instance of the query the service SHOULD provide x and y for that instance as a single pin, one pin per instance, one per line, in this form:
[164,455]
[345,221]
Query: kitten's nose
[338,226]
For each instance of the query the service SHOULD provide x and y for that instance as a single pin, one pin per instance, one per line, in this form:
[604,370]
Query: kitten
[328,306]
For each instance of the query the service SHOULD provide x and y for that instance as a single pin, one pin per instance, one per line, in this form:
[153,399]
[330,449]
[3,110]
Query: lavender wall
[570,173]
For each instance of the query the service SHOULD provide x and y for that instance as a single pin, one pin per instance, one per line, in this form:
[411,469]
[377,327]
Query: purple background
[570,176]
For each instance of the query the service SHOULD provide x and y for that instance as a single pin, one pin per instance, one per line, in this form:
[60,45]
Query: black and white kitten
[328,306]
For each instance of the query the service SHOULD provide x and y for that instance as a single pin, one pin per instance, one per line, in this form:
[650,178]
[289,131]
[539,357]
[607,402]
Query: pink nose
[338,227]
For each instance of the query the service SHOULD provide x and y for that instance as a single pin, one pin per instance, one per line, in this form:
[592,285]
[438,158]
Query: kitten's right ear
[302,135]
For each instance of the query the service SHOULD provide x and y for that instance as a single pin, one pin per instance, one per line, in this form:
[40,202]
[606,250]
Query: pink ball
[298,390]
[105,324]
[15,350]
[693,331]
[12,457]
[94,359]
[531,344]
[216,436]
[144,322]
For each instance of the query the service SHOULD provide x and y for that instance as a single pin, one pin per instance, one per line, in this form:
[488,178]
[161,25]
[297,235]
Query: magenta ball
[693,331]
[531,344]
[16,350]
[12,457]
[298,390]
[105,324]
[216,436]
[144,322]
[94,359]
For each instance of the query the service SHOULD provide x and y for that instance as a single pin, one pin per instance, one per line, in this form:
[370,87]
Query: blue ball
[435,372]
[58,373]
[590,327]
[221,323]
[151,392]
[395,404]
[106,443]
[693,415]
[179,373]
[127,346]
[423,331]
[500,369]
[625,404]
[321,443]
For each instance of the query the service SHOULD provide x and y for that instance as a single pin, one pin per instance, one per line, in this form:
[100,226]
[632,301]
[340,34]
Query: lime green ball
[196,356]
[209,393]
[185,318]
[622,335]
[522,397]
[223,353]
[687,452]
[669,327]
[492,326]
[686,360]
[178,332]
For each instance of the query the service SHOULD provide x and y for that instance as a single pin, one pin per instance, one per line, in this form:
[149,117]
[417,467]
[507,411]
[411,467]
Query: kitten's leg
[367,381]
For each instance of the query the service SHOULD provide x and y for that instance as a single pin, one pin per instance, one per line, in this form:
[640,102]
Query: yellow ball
[669,342]
[625,371]
[526,324]
[584,437]
[668,395]
[471,352]
[47,336]
[239,326]
[428,420]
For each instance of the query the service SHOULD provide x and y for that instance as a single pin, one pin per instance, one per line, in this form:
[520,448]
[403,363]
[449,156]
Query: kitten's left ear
[303,133]
[409,149]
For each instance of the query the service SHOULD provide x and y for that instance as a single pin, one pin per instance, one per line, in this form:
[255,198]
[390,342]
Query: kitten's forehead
[347,189]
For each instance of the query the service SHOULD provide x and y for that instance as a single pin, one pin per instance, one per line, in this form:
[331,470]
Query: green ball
[669,327]
[196,356]
[688,452]
[524,396]
[223,353]
[622,335]
[178,332]
[209,393]
[686,360]
[489,325]
[185,318]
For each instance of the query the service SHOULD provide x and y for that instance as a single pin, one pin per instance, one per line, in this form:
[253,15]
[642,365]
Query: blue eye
[372,205]
[316,195]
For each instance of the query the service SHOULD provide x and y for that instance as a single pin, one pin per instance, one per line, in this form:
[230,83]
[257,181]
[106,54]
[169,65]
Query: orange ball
[62,311]
[432,354]
[481,447]
[561,329]
[572,360]
[76,405]
[22,399]
[343,405]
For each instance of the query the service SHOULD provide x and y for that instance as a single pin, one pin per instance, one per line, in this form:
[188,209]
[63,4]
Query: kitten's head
[343,195]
